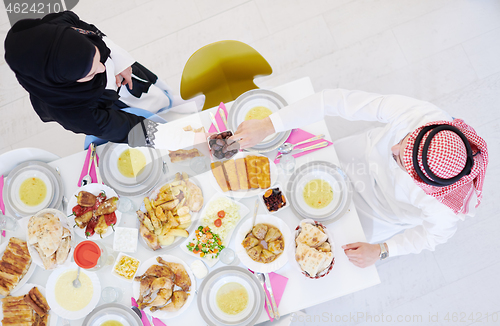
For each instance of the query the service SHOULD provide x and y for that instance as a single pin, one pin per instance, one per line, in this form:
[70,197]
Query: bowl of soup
[32,191]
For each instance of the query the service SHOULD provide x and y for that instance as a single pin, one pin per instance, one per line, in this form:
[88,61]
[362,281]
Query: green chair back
[222,71]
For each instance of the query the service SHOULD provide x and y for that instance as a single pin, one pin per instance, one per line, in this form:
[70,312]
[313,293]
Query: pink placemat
[93,174]
[278,283]
[2,205]
[299,135]
[219,120]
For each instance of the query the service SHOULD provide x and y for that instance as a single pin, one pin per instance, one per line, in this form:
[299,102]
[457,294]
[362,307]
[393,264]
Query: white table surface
[300,292]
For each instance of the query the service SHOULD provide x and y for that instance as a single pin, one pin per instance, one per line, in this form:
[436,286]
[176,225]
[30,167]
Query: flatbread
[309,259]
[311,236]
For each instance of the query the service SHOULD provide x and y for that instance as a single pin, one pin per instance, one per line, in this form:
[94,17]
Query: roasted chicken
[179,298]
[182,279]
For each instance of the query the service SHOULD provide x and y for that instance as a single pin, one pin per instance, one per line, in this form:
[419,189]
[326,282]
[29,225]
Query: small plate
[67,314]
[105,312]
[261,198]
[251,99]
[338,180]
[246,227]
[95,189]
[26,276]
[273,169]
[16,187]
[191,294]
[208,289]
[24,290]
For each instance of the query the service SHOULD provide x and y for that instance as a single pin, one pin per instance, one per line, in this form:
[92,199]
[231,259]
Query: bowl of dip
[67,301]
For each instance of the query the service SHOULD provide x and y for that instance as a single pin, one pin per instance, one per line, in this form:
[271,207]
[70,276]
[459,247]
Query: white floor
[443,51]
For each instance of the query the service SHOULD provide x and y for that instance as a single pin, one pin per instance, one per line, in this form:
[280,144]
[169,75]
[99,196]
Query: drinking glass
[228,256]
[111,294]
[287,163]
[125,205]
[8,223]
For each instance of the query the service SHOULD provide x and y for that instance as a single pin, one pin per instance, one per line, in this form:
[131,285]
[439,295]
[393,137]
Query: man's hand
[252,132]
[125,77]
[362,254]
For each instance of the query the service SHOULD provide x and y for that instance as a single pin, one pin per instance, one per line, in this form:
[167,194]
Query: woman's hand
[252,132]
[124,78]
[362,254]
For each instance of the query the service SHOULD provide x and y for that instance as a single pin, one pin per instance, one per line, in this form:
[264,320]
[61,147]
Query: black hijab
[48,55]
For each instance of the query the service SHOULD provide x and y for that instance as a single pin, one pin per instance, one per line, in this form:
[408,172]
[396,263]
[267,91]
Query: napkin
[299,135]
[93,174]
[2,205]
[219,120]
[278,284]
[145,321]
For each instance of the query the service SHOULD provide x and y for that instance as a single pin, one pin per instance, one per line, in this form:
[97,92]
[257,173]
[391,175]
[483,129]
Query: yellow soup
[111,323]
[33,191]
[258,112]
[232,298]
[318,193]
[131,162]
[69,297]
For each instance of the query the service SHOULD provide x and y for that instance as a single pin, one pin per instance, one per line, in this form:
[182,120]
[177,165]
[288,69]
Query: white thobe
[390,205]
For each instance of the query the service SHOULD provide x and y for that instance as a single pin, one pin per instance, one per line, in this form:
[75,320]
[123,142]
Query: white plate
[26,276]
[113,165]
[24,290]
[64,222]
[246,227]
[217,312]
[191,294]
[250,192]
[95,189]
[16,186]
[194,216]
[318,174]
[192,237]
[60,311]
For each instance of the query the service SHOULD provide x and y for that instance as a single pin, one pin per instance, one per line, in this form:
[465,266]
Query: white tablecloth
[300,292]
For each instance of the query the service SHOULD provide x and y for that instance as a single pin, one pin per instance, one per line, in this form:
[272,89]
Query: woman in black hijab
[61,61]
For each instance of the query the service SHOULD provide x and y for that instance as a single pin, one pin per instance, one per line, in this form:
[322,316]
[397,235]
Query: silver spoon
[288,147]
[76,282]
[88,179]
[260,277]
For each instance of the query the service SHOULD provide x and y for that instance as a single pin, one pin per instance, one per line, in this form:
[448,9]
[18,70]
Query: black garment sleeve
[72,19]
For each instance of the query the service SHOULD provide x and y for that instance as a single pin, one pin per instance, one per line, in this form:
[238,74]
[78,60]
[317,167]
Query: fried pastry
[219,175]
[183,154]
[15,262]
[230,169]
[241,170]
[264,175]
[252,173]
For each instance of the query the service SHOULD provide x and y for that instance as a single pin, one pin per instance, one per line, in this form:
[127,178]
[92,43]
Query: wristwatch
[383,252]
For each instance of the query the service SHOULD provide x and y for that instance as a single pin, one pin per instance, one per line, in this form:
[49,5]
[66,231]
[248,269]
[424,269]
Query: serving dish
[253,98]
[95,189]
[292,249]
[273,188]
[208,309]
[243,211]
[35,256]
[246,228]
[173,259]
[143,183]
[107,311]
[194,215]
[53,319]
[67,314]
[47,174]
[328,172]
[26,276]
[249,192]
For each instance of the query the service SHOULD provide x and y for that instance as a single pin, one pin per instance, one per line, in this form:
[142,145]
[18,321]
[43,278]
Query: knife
[255,211]
[270,290]
[214,122]
[96,166]
[2,205]
[300,150]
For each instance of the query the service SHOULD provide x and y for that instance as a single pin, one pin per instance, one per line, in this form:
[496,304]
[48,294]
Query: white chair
[10,160]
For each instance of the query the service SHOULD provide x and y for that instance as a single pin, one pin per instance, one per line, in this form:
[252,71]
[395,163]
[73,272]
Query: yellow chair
[222,71]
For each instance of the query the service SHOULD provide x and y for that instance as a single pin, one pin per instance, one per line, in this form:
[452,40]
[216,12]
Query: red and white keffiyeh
[446,157]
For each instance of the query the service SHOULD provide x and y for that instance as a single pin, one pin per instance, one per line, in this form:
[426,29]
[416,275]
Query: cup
[125,205]
[111,294]
[228,256]
[8,223]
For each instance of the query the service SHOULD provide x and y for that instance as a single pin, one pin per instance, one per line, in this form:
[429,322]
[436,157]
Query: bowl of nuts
[274,199]
[221,147]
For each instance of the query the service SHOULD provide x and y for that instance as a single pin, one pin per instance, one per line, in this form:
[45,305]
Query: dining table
[300,292]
